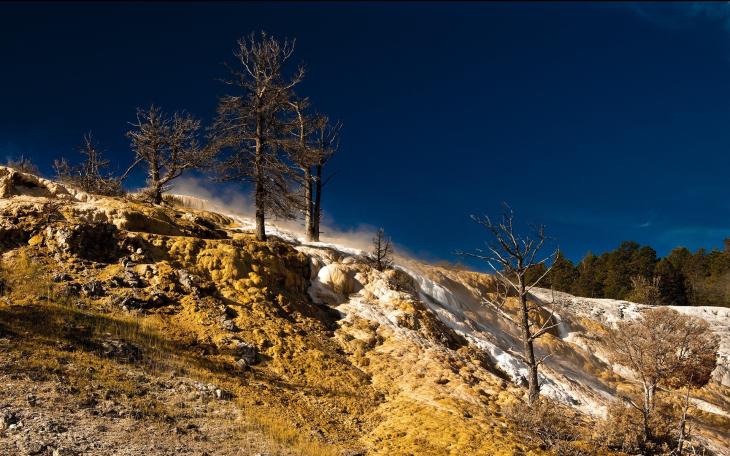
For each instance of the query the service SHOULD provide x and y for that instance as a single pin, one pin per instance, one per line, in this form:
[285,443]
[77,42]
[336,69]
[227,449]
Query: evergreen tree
[673,284]
[590,277]
[563,275]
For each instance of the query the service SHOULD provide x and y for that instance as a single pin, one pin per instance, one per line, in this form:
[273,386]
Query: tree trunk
[316,212]
[156,186]
[528,348]
[309,205]
[157,195]
[260,192]
[646,434]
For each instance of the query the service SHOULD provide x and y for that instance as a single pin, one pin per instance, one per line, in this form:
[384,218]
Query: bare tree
[510,256]
[381,256]
[23,164]
[327,142]
[251,125]
[168,146]
[665,349]
[304,157]
[315,142]
[92,175]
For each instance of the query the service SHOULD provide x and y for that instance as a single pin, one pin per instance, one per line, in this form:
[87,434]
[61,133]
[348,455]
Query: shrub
[22,164]
[90,176]
[549,425]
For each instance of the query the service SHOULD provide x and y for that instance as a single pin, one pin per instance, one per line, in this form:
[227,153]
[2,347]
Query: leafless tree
[326,143]
[381,256]
[304,157]
[251,125]
[665,349]
[92,175]
[315,142]
[23,164]
[510,256]
[168,146]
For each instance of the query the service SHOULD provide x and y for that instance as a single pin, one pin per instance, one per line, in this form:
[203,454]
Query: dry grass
[55,330]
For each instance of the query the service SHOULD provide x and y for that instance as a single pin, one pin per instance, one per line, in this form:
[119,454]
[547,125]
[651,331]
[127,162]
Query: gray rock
[133,280]
[93,289]
[60,277]
[246,352]
[188,281]
[132,303]
[120,350]
[9,420]
[71,289]
[223,394]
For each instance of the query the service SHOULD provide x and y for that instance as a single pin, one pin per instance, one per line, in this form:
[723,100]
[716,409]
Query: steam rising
[197,193]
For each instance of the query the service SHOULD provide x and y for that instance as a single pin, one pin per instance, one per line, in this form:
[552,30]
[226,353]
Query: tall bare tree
[326,144]
[314,142]
[510,255]
[304,157]
[251,125]
[381,256]
[168,146]
[665,349]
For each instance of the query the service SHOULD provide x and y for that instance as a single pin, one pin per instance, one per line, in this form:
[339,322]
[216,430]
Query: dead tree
[510,256]
[23,164]
[92,174]
[665,349]
[304,157]
[314,143]
[381,256]
[326,143]
[168,146]
[251,125]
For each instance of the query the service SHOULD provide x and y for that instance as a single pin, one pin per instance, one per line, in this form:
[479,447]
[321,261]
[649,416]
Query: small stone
[36,448]
[223,394]
[132,302]
[9,420]
[60,277]
[229,325]
[246,352]
[93,289]
[121,350]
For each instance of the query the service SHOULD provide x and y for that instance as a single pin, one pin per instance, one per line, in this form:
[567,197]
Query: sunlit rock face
[413,352]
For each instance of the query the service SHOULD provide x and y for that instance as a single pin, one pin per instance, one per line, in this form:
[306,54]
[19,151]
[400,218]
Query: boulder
[94,242]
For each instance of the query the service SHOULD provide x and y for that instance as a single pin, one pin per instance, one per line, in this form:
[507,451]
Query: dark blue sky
[606,122]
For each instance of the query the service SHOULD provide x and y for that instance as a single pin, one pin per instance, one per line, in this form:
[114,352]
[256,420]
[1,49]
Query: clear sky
[606,122]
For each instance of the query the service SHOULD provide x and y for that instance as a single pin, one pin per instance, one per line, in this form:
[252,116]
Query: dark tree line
[634,272]
[264,134]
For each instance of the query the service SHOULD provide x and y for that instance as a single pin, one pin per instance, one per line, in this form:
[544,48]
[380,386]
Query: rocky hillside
[175,326]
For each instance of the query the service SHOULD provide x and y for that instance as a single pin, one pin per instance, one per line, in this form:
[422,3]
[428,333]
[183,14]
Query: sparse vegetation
[92,174]
[548,424]
[666,350]
[511,256]
[381,256]
[168,146]
[22,164]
